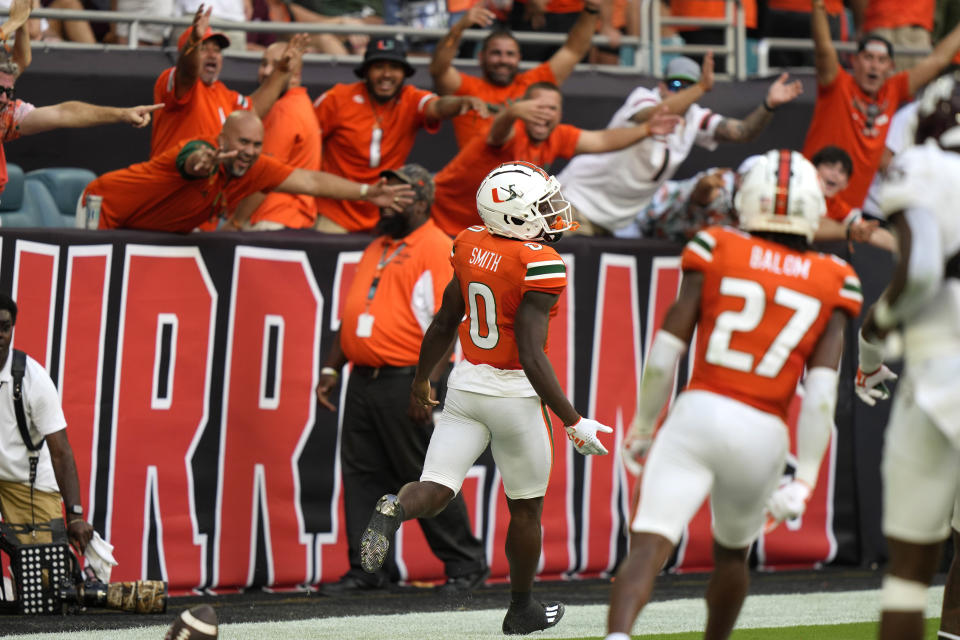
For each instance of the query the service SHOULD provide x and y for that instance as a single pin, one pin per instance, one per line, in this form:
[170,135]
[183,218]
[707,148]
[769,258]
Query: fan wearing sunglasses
[607,190]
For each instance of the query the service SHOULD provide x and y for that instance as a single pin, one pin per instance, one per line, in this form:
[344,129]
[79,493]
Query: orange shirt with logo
[763,308]
[844,116]
[711,9]
[890,14]
[154,195]
[348,120]
[291,136]
[471,124]
[416,265]
[494,274]
[199,113]
[455,200]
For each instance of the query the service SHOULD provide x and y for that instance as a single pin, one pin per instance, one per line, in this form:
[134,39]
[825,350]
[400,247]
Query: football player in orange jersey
[763,305]
[505,288]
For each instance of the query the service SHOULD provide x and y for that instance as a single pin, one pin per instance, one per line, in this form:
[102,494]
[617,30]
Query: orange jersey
[349,120]
[833,7]
[494,274]
[560,6]
[711,9]
[154,195]
[470,124]
[454,204]
[839,209]
[416,266]
[844,116]
[291,136]
[199,113]
[890,14]
[763,308]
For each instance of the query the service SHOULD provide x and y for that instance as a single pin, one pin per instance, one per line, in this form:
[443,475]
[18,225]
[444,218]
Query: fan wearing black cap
[196,102]
[396,292]
[853,109]
[369,126]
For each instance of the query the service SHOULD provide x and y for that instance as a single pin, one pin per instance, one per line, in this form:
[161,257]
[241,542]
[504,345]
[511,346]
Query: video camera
[49,580]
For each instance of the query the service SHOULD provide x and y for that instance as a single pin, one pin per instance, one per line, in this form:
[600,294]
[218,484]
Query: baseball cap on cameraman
[415,176]
[221,38]
[683,68]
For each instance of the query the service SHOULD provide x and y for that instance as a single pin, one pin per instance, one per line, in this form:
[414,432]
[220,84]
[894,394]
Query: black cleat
[375,541]
[533,616]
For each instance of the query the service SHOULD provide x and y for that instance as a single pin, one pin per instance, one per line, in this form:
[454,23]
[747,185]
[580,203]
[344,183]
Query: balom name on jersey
[775,262]
[485,259]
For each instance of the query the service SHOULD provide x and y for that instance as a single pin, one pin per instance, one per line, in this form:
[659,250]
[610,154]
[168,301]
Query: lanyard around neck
[384,261]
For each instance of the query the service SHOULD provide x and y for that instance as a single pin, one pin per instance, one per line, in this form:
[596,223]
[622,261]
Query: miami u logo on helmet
[510,190]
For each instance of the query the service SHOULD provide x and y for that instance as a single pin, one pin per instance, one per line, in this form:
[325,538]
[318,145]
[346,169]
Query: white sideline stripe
[583,621]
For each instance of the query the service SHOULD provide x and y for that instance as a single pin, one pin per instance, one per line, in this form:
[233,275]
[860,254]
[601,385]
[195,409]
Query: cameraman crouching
[31,498]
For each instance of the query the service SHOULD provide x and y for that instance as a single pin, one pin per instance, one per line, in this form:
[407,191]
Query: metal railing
[766,45]
[647,49]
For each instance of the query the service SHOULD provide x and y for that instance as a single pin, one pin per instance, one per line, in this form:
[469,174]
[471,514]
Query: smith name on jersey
[494,274]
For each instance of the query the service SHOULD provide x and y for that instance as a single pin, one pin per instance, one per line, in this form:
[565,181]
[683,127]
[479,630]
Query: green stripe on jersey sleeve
[546,269]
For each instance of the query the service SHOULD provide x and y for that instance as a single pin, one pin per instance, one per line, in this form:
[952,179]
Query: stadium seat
[25,203]
[65,184]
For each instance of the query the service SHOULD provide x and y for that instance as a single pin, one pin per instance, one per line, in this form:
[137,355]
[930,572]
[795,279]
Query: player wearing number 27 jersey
[764,307]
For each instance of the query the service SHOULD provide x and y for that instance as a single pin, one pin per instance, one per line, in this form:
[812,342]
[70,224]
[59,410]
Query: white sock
[617,636]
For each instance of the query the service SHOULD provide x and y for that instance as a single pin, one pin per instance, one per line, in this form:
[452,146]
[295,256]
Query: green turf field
[855,631]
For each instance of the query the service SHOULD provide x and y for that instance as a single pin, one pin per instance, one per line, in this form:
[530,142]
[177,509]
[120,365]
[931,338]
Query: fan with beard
[395,225]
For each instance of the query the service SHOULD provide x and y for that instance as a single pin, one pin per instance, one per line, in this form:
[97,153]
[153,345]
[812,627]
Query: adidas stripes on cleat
[533,616]
[375,541]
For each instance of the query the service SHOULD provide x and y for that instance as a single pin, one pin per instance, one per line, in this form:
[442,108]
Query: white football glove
[583,434]
[872,386]
[787,502]
[635,448]
[636,445]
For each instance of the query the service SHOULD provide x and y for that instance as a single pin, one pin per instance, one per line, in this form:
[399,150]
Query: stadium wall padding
[187,365]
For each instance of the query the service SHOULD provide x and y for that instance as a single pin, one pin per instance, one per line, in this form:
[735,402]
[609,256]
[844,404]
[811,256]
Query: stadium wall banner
[187,366]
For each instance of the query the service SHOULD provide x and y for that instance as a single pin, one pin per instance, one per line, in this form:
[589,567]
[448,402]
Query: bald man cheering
[197,180]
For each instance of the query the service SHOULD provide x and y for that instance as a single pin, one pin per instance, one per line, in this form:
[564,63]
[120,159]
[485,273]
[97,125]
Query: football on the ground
[196,623]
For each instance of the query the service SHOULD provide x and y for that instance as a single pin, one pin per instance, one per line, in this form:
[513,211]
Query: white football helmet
[520,200]
[781,192]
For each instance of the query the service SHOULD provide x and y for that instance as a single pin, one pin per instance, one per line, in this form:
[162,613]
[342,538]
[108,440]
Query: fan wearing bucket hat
[196,101]
[370,126]
[608,190]
[854,108]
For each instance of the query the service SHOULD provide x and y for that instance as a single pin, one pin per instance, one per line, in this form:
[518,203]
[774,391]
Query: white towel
[99,555]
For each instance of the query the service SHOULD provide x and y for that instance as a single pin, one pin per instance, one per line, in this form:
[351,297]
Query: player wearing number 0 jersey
[505,287]
[494,275]
[763,306]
